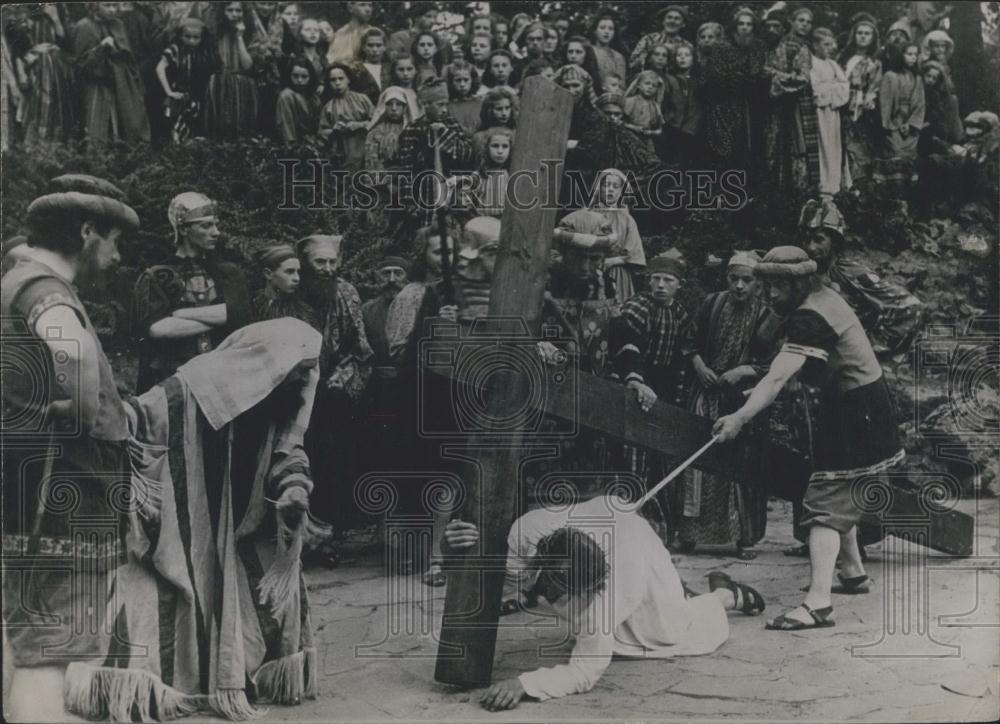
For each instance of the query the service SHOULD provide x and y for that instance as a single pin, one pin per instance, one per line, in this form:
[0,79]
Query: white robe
[642,611]
[831,91]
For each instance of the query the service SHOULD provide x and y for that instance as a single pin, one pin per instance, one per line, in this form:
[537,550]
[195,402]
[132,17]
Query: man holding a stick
[601,567]
[858,436]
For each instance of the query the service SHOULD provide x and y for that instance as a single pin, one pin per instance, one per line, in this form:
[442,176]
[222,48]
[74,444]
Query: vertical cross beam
[475,580]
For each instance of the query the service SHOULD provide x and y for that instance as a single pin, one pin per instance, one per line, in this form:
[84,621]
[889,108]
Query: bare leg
[824,545]
[850,555]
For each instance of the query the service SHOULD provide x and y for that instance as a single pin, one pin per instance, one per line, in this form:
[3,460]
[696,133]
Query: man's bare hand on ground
[503,695]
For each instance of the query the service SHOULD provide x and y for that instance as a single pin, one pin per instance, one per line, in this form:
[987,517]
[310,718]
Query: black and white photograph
[516,361]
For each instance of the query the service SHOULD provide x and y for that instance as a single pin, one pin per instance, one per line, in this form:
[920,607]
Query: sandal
[434,576]
[801,551]
[853,586]
[820,616]
[746,554]
[746,598]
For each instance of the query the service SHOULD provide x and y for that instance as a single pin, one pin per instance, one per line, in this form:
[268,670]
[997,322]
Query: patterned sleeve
[809,335]
[627,340]
[42,295]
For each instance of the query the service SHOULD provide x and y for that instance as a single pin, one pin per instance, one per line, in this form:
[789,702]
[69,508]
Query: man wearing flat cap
[58,388]
[191,301]
[857,436]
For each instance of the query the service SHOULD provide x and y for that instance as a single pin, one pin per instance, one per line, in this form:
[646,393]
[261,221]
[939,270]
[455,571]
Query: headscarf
[187,208]
[575,72]
[822,214]
[248,365]
[902,25]
[392,93]
[595,197]
[612,98]
[785,262]
[936,36]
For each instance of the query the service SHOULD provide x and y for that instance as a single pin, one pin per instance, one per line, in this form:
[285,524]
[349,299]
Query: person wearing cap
[59,389]
[344,366]
[645,348]
[720,347]
[279,296]
[891,315]
[672,20]
[187,304]
[775,21]
[393,274]
[417,141]
[857,437]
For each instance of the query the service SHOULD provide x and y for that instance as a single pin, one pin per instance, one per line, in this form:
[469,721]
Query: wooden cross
[475,580]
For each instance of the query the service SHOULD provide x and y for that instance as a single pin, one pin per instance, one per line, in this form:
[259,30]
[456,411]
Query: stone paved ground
[377,647]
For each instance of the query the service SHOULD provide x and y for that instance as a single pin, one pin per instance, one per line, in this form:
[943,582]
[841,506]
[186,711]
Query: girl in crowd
[517,25]
[604,35]
[902,107]
[480,48]
[38,38]
[861,63]
[643,101]
[391,116]
[114,106]
[477,24]
[628,259]
[494,173]
[403,74]
[279,266]
[673,19]
[551,45]
[310,38]
[427,56]
[499,71]
[499,111]
[344,120]
[501,31]
[298,103]
[184,70]
[231,103]
[682,111]
[658,59]
[790,135]
[371,70]
[943,127]
[465,103]
[578,51]
[831,92]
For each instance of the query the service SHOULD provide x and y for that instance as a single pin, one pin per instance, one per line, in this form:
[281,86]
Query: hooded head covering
[575,72]
[248,365]
[187,208]
[822,214]
[787,262]
[936,36]
[901,25]
[479,233]
[392,93]
[612,98]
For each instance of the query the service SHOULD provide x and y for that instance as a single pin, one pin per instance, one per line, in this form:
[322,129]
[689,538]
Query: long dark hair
[297,61]
[486,112]
[589,59]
